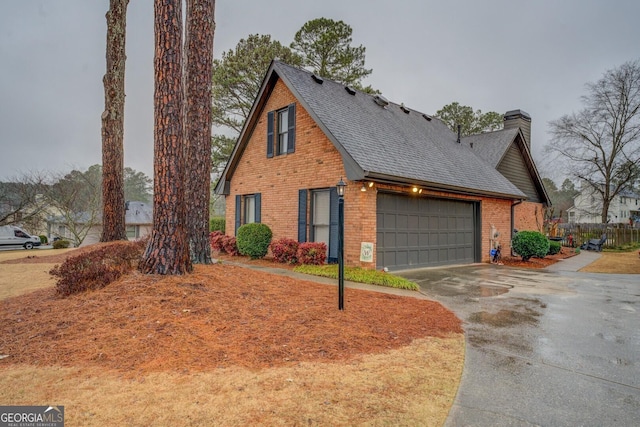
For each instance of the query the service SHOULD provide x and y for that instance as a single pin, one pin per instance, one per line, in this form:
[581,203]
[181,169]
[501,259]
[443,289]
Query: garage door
[424,232]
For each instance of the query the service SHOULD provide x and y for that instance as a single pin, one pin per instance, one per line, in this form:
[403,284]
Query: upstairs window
[281,131]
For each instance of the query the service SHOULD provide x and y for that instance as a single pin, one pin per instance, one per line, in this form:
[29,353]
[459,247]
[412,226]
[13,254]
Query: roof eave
[435,186]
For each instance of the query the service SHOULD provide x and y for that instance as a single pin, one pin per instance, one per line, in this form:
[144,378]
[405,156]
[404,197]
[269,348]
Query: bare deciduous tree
[74,202]
[601,143]
[113,207]
[20,201]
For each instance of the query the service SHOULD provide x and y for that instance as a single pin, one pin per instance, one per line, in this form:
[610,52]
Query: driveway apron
[544,347]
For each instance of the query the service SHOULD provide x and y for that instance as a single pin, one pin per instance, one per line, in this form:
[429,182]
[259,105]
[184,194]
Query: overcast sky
[493,55]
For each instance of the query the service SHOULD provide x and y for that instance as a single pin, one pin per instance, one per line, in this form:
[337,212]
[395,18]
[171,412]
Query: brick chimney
[519,119]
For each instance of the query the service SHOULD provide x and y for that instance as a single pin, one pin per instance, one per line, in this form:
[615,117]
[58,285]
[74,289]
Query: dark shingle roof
[387,142]
[491,146]
[139,213]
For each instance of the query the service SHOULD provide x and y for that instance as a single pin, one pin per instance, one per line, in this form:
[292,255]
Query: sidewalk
[575,263]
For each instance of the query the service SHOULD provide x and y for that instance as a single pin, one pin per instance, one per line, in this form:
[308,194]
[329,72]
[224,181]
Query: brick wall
[529,216]
[316,164]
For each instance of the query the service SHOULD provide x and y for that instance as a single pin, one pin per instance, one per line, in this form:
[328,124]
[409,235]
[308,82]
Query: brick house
[416,193]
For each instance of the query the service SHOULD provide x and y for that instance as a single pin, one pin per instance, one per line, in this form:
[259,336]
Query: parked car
[11,235]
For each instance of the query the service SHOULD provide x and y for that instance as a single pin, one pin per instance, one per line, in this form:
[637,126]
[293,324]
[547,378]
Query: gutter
[513,222]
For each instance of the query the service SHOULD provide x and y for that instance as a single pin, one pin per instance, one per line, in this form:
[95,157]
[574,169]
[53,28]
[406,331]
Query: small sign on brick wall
[366,252]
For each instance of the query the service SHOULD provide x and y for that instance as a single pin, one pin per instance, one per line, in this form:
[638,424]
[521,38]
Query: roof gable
[506,150]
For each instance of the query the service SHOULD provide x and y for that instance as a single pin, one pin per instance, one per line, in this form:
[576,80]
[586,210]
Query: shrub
[222,243]
[529,244]
[60,244]
[253,240]
[96,268]
[314,253]
[230,246]
[554,247]
[43,239]
[217,223]
[285,251]
[216,239]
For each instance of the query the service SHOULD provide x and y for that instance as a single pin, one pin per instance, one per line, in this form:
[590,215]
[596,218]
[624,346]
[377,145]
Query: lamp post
[340,188]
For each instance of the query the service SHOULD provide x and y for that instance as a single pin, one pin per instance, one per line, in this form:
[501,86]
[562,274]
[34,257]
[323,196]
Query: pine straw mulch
[219,316]
[538,262]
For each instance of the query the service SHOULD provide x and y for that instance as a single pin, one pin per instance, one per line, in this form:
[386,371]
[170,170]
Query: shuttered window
[248,209]
[302,216]
[281,131]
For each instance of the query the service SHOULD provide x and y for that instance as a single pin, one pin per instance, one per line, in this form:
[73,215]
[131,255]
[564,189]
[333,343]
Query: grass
[625,248]
[414,385]
[360,275]
[615,262]
[16,279]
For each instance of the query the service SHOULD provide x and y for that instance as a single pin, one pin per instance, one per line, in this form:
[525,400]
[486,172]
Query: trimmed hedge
[217,224]
[60,244]
[529,244]
[554,247]
[253,240]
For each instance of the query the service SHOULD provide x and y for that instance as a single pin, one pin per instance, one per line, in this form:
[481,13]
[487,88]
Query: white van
[15,236]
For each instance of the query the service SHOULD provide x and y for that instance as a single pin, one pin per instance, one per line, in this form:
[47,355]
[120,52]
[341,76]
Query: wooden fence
[617,234]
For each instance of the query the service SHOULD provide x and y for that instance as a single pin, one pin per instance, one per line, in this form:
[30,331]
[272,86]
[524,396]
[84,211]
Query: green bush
[529,244]
[217,223]
[554,247]
[60,244]
[253,240]
[43,239]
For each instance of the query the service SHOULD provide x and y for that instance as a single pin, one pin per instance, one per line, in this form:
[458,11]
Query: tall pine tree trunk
[198,75]
[113,208]
[168,252]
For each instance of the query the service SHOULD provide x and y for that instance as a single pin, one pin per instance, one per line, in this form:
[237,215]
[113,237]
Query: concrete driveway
[544,347]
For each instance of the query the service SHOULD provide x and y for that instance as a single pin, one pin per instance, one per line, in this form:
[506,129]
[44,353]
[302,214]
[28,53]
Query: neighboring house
[138,222]
[587,207]
[417,194]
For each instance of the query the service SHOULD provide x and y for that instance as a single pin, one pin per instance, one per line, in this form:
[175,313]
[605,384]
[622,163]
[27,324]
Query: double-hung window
[281,131]
[320,218]
[133,231]
[247,209]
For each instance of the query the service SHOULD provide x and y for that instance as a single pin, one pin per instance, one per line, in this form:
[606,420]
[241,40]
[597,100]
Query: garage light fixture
[416,190]
[363,188]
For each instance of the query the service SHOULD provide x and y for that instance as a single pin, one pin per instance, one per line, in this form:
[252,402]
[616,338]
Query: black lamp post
[340,188]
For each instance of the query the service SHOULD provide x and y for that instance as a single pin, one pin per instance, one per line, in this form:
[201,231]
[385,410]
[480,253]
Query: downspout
[513,222]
